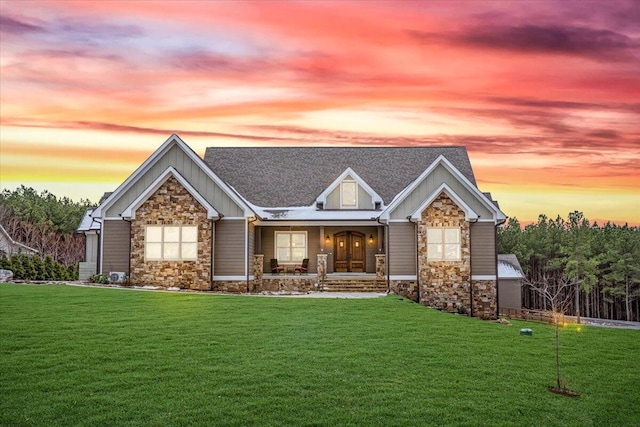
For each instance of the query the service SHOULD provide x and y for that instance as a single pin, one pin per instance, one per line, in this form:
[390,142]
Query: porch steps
[345,285]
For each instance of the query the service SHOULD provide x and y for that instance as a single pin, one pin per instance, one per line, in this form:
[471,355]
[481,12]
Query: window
[443,244]
[349,194]
[171,242]
[291,246]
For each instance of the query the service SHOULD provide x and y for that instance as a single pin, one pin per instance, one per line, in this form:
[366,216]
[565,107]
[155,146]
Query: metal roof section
[130,211]
[509,267]
[88,223]
[297,176]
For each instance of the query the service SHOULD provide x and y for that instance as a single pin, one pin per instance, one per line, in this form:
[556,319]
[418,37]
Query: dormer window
[349,194]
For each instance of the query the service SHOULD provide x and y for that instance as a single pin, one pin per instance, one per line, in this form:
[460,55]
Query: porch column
[381,261]
[258,266]
[322,266]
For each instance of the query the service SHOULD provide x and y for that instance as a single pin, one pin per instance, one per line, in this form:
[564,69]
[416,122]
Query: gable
[365,198]
[439,177]
[176,155]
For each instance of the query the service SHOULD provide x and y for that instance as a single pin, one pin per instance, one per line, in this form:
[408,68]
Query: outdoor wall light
[370,238]
[327,238]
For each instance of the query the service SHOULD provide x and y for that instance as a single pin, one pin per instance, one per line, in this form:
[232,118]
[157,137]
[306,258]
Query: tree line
[602,263]
[48,224]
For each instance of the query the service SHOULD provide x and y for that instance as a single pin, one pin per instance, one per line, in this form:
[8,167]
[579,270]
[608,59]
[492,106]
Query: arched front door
[349,251]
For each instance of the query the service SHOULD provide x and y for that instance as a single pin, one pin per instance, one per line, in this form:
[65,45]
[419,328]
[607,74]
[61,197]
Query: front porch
[321,281]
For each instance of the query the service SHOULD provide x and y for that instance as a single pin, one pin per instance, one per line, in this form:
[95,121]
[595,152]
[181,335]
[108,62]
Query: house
[409,220]
[510,275]
[8,246]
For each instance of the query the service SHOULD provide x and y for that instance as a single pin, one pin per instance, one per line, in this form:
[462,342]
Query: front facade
[410,220]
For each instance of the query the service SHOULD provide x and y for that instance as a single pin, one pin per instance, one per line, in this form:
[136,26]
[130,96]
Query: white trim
[130,211]
[142,169]
[228,278]
[442,160]
[403,277]
[355,184]
[322,198]
[290,232]
[469,213]
[484,277]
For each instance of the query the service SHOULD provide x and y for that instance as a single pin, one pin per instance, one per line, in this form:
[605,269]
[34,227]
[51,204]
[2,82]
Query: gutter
[249,221]
[498,224]
[471,272]
[213,242]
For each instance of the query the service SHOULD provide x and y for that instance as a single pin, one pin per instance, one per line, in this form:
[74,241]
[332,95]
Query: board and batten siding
[229,256]
[116,246]
[190,170]
[430,184]
[91,242]
[483,248]
[401,250]
[364,198]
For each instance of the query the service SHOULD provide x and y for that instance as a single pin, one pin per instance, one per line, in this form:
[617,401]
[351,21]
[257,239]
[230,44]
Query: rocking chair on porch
[302,268]
[275,268]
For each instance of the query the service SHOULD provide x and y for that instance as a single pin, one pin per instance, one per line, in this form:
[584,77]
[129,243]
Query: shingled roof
[295,176]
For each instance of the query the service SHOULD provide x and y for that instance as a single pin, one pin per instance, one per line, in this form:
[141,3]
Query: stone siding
[406,288]
[484,298]
[171,204]
[381,266]
[444,285]
[230,286]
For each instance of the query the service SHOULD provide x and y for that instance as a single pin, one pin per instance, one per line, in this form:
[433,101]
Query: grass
[91,356]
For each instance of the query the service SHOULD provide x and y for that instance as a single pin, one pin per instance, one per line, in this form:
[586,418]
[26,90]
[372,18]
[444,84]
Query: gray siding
[510,293]
[91,248]
[229,248]
[116,246]
[483,249]
[402,248]
[364,199]
[197,177]
[438,176]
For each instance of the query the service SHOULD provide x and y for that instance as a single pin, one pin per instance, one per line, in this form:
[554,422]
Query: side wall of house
[116,246]
[401,249]
[483,249]
[171,204]
[229,248]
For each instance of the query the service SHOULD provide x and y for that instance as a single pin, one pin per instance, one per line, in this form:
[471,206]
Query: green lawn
[91,356]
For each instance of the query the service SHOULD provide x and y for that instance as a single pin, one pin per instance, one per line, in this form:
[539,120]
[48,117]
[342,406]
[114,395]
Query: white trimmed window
[349,194]
[171,243]
[291,246]
[443,244]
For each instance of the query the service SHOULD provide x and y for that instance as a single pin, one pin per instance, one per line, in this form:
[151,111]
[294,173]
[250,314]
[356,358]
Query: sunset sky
[545,95]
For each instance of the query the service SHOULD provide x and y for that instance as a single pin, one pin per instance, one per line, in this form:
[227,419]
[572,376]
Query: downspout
[386,251]
[249,222]
[498,224]
[415,228]
[130,243]
[213,236]
[471,272]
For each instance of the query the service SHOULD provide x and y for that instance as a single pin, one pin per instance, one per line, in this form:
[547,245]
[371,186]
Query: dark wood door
[349,250]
